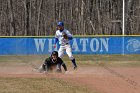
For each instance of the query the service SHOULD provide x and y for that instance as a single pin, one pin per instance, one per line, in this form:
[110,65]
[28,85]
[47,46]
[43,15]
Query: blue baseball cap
[60,23]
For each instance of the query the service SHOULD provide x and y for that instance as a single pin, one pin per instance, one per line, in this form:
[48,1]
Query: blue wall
[80,45]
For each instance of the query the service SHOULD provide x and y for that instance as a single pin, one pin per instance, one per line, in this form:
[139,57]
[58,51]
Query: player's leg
[61,51]
[69,53]
[43,67]
[40,69]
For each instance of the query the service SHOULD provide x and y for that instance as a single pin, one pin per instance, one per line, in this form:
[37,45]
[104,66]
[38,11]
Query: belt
[64,44]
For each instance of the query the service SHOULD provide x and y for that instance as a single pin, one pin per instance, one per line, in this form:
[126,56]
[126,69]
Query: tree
[81,17]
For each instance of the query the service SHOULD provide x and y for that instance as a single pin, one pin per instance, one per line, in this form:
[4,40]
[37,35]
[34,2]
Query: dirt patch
[104,79]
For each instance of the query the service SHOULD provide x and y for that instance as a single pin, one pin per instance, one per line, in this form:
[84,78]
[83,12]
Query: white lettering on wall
[95,42]
[94,45]
[50,45]
[40,44]
[104,42]
[84,42]
[75,45]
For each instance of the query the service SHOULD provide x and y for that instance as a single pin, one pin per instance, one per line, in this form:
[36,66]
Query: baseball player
[53,62]
[63,36]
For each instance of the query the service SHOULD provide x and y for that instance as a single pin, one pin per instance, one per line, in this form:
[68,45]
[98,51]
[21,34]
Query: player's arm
[55,40]
[69,35]
[63,64]
[45,65]
[45,68]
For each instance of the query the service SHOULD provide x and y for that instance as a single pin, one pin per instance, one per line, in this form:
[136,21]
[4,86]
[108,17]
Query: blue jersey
[59,36]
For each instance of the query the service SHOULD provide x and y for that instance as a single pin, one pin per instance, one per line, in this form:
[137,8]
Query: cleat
[75,68]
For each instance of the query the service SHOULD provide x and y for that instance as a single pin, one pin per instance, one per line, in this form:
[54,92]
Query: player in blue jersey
[63,36]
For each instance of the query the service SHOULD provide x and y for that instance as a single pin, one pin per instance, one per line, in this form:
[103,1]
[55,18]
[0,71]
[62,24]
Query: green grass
[39,85]
[91,60]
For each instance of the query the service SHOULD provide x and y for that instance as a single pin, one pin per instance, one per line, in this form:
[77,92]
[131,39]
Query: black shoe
[75,67]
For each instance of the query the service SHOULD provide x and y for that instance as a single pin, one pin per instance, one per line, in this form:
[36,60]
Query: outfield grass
[90,60]
[39,85]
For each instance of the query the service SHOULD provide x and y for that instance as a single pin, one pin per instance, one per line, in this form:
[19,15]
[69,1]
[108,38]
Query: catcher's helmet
[60,23]
[54,53]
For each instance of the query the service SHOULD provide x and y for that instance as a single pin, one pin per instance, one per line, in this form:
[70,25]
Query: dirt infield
[102,78]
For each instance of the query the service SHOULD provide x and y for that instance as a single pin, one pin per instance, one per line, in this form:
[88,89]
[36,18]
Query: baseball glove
[64,35]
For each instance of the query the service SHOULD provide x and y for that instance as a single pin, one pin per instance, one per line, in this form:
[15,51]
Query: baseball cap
[60,23]
[55,53]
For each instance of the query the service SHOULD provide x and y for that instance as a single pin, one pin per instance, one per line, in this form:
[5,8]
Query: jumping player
[53,62]
[64,36]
